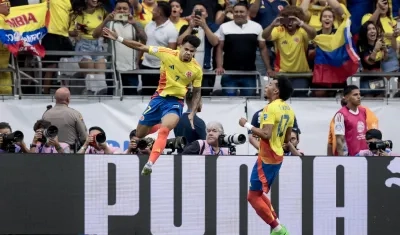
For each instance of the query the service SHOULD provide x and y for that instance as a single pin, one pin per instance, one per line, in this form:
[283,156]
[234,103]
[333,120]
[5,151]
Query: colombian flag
[24,27]
[335,57]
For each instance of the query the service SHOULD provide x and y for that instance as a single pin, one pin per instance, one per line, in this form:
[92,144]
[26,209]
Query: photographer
[210,146]
[96,143]
[45,139]
[11,142]
[291,149]
[134,145]
[376,147]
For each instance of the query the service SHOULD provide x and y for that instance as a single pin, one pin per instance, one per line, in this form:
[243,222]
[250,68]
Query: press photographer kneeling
[144,145]
[96,143]
[216,142]
[138,146]
[377,146]
[45,139]
[11,142]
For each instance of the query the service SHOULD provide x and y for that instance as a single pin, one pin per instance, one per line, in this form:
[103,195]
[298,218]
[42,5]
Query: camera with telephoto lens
[228,140]
[9,141]
[98,139]
[178,143]
[50,132]
[380,145]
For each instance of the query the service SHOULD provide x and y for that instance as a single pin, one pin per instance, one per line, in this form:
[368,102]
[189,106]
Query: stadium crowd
[270,36]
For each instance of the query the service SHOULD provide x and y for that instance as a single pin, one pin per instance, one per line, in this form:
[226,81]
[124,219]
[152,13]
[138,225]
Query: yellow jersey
[144,14]
[89,22]
[59,17]
[181,22]
[279,114]
[290,50]
[176,75]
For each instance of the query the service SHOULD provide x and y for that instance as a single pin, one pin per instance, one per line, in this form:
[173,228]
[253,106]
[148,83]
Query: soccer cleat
[283,231]
[147,169]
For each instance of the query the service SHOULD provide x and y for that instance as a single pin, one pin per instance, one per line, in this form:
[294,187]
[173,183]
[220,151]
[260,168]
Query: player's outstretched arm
[129,43]
[264,133]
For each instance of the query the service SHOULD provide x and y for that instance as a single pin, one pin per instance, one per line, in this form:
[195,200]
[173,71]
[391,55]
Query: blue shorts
[159,107]
[263,175]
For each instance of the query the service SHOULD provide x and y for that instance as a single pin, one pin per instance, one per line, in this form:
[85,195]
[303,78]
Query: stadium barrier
[105,194]
[68,71]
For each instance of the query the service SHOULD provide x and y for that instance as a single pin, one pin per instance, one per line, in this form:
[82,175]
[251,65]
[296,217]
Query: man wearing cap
[375,135]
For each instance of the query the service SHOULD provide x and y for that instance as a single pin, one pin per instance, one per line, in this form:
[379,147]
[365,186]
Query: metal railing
[34,75]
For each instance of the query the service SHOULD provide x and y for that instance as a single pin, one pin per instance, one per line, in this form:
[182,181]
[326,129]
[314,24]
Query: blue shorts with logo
[160,106]
[263,175]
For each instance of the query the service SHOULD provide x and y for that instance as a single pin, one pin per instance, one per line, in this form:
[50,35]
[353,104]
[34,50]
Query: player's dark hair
[285,88]
[343,102]
[347,90]
[97,129]
[5,125]
[192,40]
[242,3]
[165,8]
[41,124]
[123,1]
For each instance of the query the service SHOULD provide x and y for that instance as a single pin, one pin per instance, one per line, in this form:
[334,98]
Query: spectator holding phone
[373,51]
[291,36]
[122,22]
[86,16]
[386,29]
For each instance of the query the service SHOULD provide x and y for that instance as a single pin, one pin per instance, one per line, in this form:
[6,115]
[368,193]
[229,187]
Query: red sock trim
[274,224]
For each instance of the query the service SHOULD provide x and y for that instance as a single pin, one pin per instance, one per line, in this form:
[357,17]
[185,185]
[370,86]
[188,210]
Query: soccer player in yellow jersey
[276,124]
[178,70]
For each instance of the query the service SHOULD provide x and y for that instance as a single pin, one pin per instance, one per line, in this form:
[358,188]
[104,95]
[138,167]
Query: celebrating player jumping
[178,70]
[276,124]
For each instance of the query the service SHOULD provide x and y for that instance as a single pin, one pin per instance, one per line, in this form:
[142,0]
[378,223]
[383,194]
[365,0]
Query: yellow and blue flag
[336,58]
[24,28]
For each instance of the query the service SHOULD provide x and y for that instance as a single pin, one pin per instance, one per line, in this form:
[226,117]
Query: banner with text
[105,194]
[24,27]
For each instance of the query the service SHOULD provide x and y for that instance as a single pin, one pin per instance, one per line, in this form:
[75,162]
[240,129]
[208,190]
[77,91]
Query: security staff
[71,128]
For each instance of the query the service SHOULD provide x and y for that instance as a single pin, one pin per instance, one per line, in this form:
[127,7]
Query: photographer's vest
[206,149]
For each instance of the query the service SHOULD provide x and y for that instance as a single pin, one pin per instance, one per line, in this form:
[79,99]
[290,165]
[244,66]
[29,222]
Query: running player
[275,129]
[178,70]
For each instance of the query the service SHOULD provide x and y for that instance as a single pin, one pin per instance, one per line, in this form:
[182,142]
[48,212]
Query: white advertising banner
[118,118]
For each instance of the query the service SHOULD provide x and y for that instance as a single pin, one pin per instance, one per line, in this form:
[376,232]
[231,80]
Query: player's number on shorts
[282,125]
[147,110]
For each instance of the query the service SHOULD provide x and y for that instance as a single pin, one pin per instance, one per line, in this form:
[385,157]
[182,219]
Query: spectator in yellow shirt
[5,77]
[176,12]
[291,36]
[86,17]
[57,37]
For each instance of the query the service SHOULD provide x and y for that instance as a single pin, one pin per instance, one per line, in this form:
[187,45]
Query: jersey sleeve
[268,116]
[291,120]
[161,52]
[339,124]
[198,79]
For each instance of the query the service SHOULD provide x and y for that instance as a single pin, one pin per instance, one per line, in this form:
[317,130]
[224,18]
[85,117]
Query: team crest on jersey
[360,126]
[188,74]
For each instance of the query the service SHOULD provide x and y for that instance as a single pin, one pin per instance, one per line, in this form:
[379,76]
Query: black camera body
[9,141]
[50,132]
[380,145]
[178,143]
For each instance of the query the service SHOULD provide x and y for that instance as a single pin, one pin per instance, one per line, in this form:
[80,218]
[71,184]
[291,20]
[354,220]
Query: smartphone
[198,12]
[121,17]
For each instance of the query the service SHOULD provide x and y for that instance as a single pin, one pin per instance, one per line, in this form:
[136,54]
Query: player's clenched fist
[242,121]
